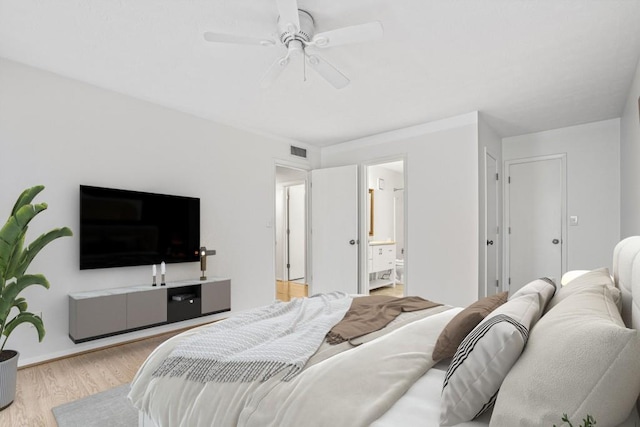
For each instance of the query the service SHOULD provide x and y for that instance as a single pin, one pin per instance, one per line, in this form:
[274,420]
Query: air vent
[298,152]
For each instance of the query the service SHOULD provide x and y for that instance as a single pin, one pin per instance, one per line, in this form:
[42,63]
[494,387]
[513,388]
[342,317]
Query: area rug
[109,408]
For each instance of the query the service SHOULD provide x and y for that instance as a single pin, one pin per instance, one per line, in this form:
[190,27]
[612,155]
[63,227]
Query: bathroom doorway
[386,224]
[290,232]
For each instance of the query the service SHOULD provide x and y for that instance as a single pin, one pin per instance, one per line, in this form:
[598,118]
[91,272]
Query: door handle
[352,242]
[555,241]
[489,242]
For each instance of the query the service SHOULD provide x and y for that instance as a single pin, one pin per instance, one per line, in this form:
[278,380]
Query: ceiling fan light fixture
[296,33]
[296,48]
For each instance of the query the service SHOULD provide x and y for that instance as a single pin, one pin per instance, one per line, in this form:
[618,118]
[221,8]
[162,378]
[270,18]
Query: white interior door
[491,225]
[334,229]
[295,232]
[535,192]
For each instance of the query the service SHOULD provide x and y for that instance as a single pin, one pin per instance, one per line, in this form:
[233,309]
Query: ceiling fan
[296,32]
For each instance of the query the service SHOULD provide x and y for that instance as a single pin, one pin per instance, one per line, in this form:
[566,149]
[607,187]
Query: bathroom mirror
[370,207]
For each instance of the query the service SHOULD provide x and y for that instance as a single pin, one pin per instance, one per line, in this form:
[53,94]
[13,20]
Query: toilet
[400,271]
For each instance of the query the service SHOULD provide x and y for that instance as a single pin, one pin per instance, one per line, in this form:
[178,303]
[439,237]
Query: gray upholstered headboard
[626,273]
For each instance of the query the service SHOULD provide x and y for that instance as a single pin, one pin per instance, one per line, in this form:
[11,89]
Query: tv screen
[121,228]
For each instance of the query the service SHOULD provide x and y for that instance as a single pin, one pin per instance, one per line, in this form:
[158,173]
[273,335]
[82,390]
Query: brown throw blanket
[372,313]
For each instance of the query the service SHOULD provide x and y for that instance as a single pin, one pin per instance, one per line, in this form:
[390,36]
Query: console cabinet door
[216,296]
[146,308]
[92,317]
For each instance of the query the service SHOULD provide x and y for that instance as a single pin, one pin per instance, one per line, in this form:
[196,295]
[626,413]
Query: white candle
[163,269]
[154,270]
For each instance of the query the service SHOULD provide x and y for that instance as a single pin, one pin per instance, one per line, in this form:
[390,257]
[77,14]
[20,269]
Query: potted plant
[14,261]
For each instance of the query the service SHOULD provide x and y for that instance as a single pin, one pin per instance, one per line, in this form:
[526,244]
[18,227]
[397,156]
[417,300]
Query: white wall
[62,133]
[489,139]
[593,185]
[383,201]
[442,197]
[630,162]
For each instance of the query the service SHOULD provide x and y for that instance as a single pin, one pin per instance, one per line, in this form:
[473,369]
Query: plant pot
[8,375]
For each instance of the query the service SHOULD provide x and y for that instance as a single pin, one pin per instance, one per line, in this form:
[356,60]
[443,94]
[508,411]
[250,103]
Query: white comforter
[352,388]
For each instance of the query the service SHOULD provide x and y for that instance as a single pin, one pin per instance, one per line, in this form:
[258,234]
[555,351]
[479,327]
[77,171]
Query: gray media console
[107,312]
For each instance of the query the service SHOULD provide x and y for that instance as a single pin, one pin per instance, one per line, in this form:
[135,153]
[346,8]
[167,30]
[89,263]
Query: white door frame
[507,219]
[495,182]
[287,240]
[307,208]
[364,245]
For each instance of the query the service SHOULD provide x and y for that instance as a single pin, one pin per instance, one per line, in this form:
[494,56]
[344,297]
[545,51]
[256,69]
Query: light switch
[573,220]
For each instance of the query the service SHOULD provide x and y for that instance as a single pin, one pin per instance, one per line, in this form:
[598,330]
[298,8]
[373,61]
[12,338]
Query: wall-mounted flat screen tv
[121,228]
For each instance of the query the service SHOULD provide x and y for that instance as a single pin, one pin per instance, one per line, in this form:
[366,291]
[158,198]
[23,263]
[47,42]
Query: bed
[545,351]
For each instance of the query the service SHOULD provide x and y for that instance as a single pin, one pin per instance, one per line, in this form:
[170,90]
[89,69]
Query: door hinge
[509,280]
[288,265]
[497,283]
[497,176]
[509,230]
[509,180]
[498,229]
[288,231]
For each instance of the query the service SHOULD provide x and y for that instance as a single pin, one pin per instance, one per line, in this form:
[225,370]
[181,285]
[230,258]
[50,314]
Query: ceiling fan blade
[288,10]
[231,38]
[327,71]
[352,34]
[274,71]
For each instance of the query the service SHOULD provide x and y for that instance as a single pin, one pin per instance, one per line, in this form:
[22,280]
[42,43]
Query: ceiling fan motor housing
[304,34]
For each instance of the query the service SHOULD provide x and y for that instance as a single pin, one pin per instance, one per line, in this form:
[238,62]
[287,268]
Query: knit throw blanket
[258,344]
[372,313]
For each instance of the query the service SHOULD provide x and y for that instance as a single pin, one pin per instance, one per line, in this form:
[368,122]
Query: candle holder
[154,281]
[162,280]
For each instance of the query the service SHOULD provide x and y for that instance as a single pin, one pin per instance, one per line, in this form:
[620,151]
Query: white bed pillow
[487,354]
[544,287]
[580,360]
[598,277]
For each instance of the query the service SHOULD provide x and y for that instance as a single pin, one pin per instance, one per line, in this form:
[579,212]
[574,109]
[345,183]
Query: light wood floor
[42,387]
[287,290]
[397,291]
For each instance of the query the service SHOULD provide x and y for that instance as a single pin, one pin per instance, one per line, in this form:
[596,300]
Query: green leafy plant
[587,422]
[15,258]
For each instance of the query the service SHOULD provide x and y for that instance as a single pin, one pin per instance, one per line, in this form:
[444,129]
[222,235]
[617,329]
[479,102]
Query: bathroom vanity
[382,264]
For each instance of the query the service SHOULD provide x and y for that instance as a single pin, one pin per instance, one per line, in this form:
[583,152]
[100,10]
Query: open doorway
[291,232]
[386,248]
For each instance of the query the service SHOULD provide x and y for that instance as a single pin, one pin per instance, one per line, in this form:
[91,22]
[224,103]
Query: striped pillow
[487,354]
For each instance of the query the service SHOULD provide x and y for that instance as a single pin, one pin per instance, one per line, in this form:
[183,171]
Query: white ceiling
[526,65]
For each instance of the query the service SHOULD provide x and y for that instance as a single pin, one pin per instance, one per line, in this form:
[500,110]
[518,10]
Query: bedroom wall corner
[442,196]
[61,133]
[630,162]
